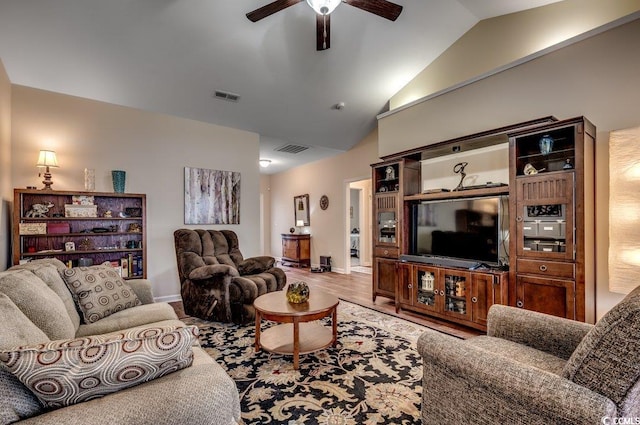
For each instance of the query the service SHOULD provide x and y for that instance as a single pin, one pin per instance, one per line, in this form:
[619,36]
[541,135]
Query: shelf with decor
[535,220]
[467,193]
[391,181]
[552,242]
[81,228]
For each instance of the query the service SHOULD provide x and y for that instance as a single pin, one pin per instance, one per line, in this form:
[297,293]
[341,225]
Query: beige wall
[6,194]
[597,78]
[152,148]
[329,177]
[494,43]
[265,211]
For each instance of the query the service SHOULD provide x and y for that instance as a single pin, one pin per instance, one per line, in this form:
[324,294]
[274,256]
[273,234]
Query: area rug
[372,376]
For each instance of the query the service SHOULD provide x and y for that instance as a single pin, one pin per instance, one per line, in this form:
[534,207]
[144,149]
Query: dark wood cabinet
[455,295]
[385,271]
[552,233]
[546,295]
[551,237]
[94,226]
[296,249]
[487,289]
[392,180]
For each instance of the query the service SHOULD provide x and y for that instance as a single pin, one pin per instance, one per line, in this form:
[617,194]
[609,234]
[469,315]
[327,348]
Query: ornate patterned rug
[372,376]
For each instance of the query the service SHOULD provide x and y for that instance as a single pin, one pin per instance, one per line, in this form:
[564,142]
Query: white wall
[6,194]
[597,78]
[329,177]
[152,148]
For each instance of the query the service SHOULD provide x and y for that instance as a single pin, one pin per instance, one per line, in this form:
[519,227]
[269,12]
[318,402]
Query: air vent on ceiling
[292,148]
[223,95]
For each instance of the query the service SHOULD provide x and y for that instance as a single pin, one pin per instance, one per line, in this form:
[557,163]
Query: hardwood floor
[356,288]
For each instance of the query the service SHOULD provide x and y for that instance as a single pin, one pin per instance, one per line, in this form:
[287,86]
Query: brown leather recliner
[217,283]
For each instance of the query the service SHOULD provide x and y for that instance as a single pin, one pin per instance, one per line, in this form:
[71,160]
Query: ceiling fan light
[324,7]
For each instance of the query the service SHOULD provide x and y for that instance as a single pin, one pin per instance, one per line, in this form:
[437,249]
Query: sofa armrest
[525,386]
[142,289]
[255,265]
[212,271]
[544,332]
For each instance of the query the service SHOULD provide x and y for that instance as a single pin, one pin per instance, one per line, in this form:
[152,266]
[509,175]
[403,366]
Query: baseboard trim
[168,299]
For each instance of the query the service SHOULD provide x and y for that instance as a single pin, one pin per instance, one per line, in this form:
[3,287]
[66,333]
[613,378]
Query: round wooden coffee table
[299,331]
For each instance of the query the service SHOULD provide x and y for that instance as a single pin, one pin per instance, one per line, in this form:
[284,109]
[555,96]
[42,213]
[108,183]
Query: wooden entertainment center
[546,261]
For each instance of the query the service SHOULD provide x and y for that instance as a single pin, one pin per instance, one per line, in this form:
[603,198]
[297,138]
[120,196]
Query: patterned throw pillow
[65,372]
[99,291]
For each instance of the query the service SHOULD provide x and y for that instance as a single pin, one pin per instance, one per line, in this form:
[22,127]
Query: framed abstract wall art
[211,196]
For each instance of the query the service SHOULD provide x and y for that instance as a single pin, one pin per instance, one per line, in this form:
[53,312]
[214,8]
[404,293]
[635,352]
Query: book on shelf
[124,264]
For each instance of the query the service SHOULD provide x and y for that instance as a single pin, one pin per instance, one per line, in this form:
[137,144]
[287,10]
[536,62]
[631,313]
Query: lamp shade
[299,223]
[324,7]
[624,207]
[47,159]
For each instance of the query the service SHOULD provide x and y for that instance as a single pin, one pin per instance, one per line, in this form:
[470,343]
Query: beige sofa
[199,394]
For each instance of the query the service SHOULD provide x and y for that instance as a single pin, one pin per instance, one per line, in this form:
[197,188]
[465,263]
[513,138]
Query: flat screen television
[469,229]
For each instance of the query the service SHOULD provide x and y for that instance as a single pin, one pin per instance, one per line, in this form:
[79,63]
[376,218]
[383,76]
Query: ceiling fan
[323,8]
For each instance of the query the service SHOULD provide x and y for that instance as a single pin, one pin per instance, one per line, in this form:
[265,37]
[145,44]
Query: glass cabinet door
[457,287]
[427,288]
[386,225]
[545,219]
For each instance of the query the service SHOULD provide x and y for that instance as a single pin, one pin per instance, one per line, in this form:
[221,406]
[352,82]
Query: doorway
[358,226]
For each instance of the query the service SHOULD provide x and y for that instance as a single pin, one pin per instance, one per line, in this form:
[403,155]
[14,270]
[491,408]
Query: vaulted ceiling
[170,56]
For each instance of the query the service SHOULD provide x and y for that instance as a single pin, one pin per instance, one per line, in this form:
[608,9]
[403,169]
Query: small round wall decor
[324,202]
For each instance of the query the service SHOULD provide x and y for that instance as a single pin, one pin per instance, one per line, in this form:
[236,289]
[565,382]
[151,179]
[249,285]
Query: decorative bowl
[298,292]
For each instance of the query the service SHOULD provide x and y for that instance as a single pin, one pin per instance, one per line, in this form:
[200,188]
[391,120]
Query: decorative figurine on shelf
[530,170]
[298,292]
[39,210]
[546,144]
[459,169]
[107,214]
[390,173]
[428,282]
[134,228]
[85,244]
[567,164]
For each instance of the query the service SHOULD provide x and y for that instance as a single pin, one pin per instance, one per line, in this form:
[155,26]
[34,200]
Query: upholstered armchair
[217,282]
[535,369]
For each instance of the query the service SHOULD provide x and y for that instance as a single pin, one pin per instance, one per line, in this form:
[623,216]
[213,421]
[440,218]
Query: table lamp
[48,160]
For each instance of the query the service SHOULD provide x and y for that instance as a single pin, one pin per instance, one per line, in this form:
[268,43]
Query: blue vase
[546,144]
[119,177]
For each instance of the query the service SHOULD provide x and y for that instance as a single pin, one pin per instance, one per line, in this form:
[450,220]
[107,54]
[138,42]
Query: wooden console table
[296,249]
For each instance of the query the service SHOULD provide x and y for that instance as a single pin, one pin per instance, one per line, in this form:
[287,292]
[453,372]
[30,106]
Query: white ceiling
[169,56]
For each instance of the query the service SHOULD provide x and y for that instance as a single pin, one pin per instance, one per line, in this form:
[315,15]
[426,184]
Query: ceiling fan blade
[323,32]
[382,8]
[270,9]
